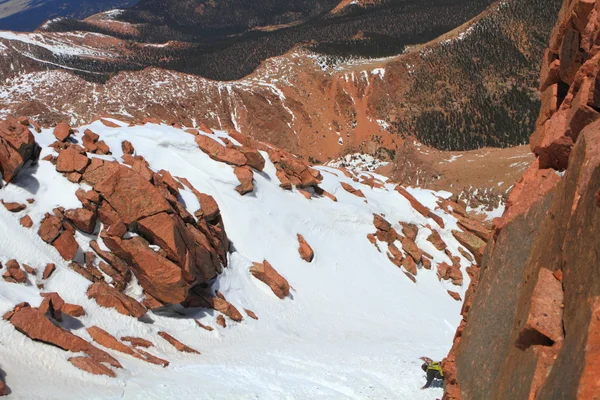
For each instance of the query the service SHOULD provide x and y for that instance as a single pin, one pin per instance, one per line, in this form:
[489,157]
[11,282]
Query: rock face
[532,325]
[170,251]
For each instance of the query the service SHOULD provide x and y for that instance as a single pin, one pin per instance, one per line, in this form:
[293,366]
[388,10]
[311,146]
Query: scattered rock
[218,152]
[34,324]
[267,274]
[26,222]
[306,252]
[66,245]
[48,271]
[246,177]
[127,147]
[350,189]
[71,160]
[92,366]
[52,305]
[109,297]
[83,219]
[62,132]
[138,342]
[14,273]
[455,295]
[251,314]
[177,344]
[221,321]
[205,327]
[73,310]
[426,212]
[14,207]
[437,241]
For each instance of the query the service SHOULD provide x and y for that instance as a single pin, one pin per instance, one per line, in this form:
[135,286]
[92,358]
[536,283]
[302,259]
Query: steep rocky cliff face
[531,323]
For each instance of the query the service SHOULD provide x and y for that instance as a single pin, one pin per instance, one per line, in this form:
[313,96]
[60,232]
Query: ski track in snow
[353,327]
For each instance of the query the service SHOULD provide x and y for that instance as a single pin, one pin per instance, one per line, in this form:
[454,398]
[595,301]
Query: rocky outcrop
[530,327]
[17,146]
[138,200]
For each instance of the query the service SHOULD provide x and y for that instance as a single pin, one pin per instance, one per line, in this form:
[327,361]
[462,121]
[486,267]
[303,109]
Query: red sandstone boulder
[426,212]
[83,219]
[71,160]
[107,340]
[251,314]
[411,248]
[245,176]
[66,245]
[137,342]
[34,324]
[131,195]
[73,310]
[92,366]
[52,305]
[350,189]
[26,221]
[62,132]
[409,265]
[253,158]
[306,252]
[14,207]
[205,327]
[14,273]
[437,241]
[127,147]
[48,271]
[159,277]
[17,146]
[218,152]
[471,242]
[454,295]
[177,344]
[267,274]
[109,297]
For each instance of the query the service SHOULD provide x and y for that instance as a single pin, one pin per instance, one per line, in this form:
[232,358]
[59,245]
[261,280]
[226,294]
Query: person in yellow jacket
[433,369]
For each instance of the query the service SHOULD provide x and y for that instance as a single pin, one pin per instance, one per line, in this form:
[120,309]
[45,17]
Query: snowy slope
[353,327]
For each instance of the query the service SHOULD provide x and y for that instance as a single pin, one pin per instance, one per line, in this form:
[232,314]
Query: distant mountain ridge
[19,15]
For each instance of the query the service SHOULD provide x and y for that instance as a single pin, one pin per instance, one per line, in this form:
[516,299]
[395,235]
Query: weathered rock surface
[530,327]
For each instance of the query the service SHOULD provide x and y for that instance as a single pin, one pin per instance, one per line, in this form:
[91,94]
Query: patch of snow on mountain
[358,162]
[353,327]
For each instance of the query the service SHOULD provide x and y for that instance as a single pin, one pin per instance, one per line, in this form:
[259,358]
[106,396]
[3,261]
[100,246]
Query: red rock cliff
[531,326]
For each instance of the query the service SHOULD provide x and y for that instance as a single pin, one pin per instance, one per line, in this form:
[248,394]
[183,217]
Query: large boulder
[17,146]
[131,195]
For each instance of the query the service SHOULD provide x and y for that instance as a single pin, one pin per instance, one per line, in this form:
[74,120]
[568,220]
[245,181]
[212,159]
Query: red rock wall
[530,328]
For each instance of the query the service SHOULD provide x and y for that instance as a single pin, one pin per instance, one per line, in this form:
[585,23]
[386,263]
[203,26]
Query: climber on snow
[433,369]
